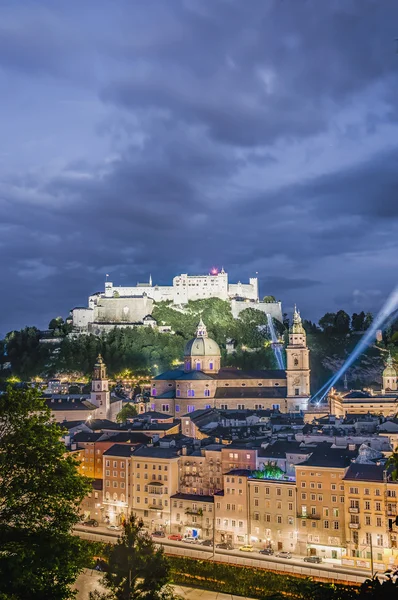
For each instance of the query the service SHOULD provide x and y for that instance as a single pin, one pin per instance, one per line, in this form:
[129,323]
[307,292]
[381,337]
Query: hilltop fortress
[122,306]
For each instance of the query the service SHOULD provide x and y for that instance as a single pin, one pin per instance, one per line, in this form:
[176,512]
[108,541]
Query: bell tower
[100,390]
[389,376]
[298,366]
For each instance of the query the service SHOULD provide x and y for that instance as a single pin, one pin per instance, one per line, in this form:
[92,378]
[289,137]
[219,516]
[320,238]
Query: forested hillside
[146,351]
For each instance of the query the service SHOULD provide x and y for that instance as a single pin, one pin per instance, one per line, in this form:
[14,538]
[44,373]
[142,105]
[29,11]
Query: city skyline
[260,138]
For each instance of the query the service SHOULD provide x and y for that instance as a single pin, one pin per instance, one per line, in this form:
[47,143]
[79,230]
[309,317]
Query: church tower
[389,376]
[298,366]
[100,396]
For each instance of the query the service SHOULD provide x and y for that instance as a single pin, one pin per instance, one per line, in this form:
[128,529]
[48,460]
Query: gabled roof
[326,456]
[365,472]
[238,374]
[170,375]
[125,450]
[83,436]
[280,448]
[156,452]
[194,376]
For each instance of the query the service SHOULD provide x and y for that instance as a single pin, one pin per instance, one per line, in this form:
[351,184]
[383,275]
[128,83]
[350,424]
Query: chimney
[184,451]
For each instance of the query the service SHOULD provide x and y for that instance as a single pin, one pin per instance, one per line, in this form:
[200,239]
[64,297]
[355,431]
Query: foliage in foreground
[253,583]
[40,493]
[137,569]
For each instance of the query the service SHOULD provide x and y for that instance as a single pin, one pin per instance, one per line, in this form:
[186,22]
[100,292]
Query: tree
[129,411]
[327,322]
[368,320]
[56,323]
[40,494]
[358,321]
[342,322]
[269,299]
[137,570]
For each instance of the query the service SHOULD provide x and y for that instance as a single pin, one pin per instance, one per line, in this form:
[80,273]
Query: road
[293,566]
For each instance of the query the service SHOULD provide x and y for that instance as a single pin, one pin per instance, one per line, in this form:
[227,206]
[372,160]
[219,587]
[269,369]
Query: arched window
[154,392]
[191,393]
[296,362]
[122,498]
[178,393]
[115,497]
[198,366]
[210,366]
[107,496]
[188,365]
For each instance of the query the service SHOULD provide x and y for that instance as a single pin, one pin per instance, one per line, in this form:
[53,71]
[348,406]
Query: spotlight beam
[382,317]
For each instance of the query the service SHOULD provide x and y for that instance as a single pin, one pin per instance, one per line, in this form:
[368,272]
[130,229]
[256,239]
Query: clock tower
[298,367]
[100,390]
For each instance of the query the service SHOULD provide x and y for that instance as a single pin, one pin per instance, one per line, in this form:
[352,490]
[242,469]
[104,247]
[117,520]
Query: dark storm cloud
[168,137]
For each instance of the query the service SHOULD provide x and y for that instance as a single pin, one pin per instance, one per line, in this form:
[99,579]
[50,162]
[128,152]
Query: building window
[207,393]
[154,392]
[211,366]
[198,366]
[178,393]
[165,408]
[191,393]
[297,392]
[177,408]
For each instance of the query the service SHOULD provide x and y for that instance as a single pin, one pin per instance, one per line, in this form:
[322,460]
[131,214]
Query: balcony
[354,525]
[155,488]
[354,510]
[158,507]
[198,512]
[313,517]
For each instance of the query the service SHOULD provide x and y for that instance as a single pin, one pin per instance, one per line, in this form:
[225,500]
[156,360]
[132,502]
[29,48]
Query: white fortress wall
[272,308]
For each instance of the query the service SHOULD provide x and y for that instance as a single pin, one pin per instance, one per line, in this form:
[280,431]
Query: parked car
[207,543]
[158,534]
[284,555]
[313,559]
[177,537]
[190,540]
[90,523]
[267,551]
[114,527]
[225,546]
[246,548]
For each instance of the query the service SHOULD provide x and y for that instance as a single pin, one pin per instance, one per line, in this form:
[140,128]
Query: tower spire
[201,330]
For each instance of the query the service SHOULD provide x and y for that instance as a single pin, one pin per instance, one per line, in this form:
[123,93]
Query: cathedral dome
[201,345]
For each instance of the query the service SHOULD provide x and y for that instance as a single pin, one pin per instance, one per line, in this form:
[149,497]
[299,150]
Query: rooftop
[326,456]
[193,497]
[156,452]
[365,472]
[121,450]
[252,392]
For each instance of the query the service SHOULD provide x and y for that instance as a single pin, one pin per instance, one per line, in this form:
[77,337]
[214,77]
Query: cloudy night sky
[170,136]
